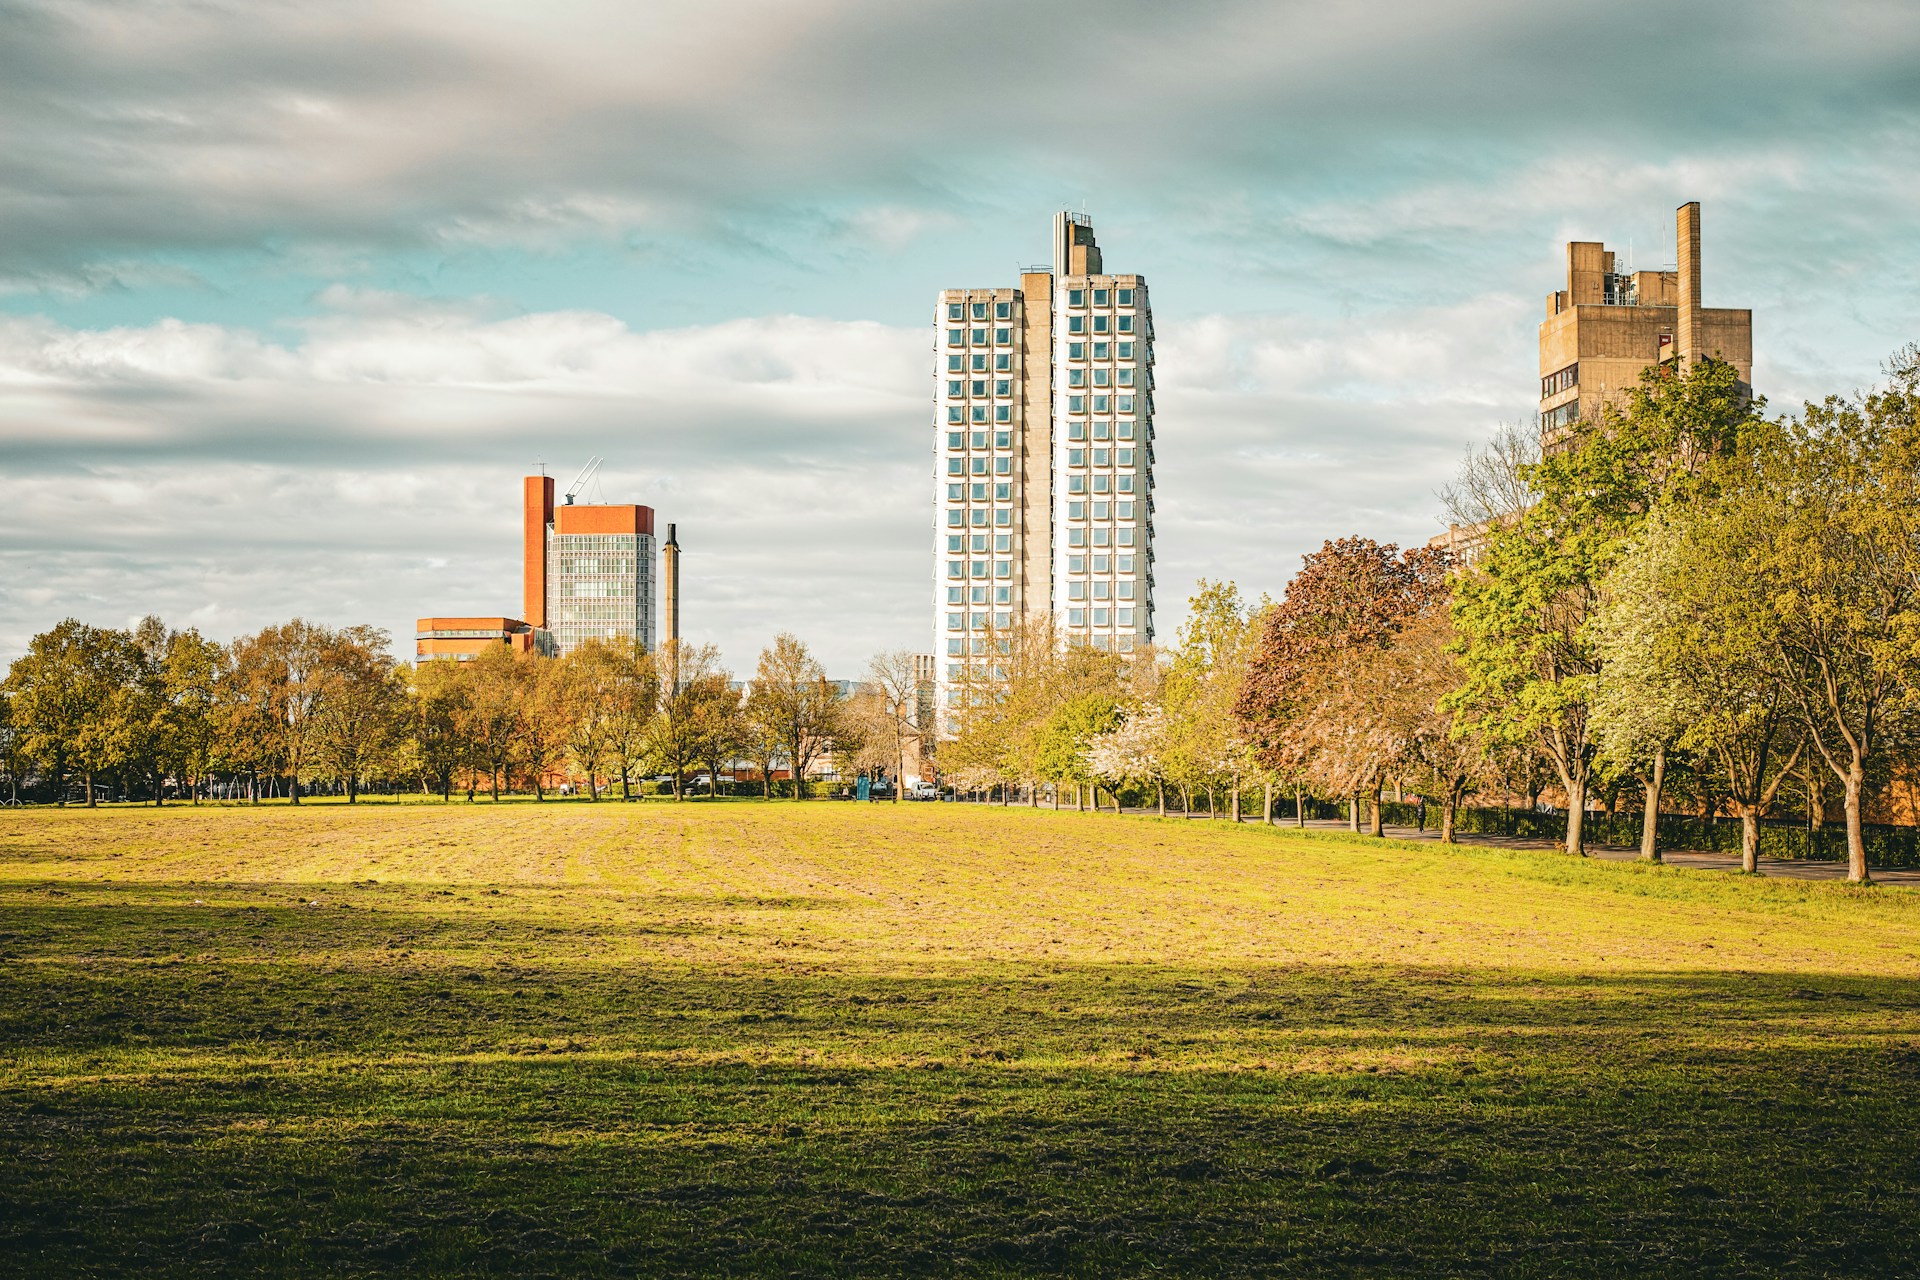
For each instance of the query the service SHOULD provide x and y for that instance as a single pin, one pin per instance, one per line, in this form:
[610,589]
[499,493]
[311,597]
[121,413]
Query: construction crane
[586,474]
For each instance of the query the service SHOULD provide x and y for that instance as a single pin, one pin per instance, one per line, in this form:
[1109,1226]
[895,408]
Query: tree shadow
[293,1090]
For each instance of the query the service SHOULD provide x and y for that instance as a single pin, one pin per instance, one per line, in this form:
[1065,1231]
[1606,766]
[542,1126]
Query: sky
[291,295]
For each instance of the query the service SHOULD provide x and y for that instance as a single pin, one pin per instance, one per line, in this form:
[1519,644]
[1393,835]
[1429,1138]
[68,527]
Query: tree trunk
[1079,799]
[1353,814]
[1449,814]
[91,802]
[1750,839]
[353,789]
[493,781]
[1376,828]
[293,786]
[1576,817]
[1299,806]
[1653,783]
[1160,790]
[1266,803]
[1236,800]
[1856,838]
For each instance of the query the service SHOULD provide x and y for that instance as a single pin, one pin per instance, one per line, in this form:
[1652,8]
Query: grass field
[832,1039]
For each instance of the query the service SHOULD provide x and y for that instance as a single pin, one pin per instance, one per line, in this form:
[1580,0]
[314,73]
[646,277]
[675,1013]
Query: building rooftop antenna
[586,474]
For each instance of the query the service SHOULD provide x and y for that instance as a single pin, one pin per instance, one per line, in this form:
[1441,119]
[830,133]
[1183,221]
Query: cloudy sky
[292,294]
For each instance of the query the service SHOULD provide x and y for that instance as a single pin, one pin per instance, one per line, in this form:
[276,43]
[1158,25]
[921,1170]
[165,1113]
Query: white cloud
[369,471]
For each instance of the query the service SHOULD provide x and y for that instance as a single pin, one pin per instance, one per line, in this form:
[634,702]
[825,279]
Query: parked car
[918,790]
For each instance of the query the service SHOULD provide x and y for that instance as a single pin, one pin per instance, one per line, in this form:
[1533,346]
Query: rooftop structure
[1607,325]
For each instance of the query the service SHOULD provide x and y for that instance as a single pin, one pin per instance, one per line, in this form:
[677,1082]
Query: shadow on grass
[280,1101]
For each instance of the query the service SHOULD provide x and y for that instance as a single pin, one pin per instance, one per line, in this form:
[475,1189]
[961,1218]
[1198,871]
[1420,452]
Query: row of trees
[1688,604]
[300,706]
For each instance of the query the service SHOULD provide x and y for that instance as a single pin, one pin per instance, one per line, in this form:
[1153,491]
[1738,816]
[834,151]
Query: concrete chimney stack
[1687,246]
[670,580]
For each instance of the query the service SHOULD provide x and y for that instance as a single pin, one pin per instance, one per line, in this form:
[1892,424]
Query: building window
[956,466]
[1124,377]
[956,388]
[1003,363]
[1563,416]
[979,364]
[1003,439]
[1126,351]
[1003,466]
[979,493]
[1565,380]
[979,544]
[1100,590]
[956,364]
[979,439]
[1126,431]
[1100,537]
[1076,511]
[1003,517]
[1076,431]
[956,493]
[1126,324]
[954,546]
[1076,617]
[1124,457]
[1100,324]
[1003,387]
[979,413]
[1125,510]
[1076,484]
[956,518]
[1123,297]
[1099,508]
[1099,297]
[979,311]
[956,568]
[956,414]
[1076,404]
[956,337]
[955,595]
[955,311]
[1076,537]
[956,439]
[1076,377]
[1125,589]
[954,621]
[1126,538]
[1003,336]
[979,465]
[1003,568]
[980,566]
[980,518]
[1076,324]
[1076,297]
[955,646]
[979,337]
[1003,311]
[1076,351]
[1125,404]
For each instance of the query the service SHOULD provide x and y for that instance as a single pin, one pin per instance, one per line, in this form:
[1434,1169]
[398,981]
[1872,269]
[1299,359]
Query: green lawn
[579,1040]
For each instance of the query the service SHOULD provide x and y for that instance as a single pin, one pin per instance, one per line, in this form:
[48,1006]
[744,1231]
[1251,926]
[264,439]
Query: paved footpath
[1785,868]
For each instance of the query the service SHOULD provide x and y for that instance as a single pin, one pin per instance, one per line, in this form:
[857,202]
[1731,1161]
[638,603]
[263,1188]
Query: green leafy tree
[1060,746]
[65,694]
[1836,509]
[1524,610]
[437,717]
